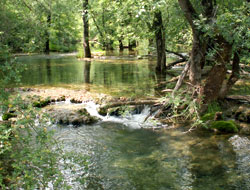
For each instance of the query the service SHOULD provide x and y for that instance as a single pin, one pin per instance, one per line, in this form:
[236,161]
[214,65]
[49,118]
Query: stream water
[120,75]
[123,155]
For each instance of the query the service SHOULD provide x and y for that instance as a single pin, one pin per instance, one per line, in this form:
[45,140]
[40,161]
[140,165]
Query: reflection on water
[125,158]
[124,75]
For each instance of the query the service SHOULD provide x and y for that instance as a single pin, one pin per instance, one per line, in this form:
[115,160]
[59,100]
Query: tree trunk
[233,78]
[216,84]
[121,47]
[47,49]
[109,45]
[150,46]
[87,52]
[160,43]
[197,57]
[131,45]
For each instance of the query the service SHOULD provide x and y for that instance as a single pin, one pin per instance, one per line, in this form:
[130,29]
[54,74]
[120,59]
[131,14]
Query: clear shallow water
[124,156]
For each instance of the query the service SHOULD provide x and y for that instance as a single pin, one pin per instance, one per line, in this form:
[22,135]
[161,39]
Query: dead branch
[182,76]
[176,53]
[170,65]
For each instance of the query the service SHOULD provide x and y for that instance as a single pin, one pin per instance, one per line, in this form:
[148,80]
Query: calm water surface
[123,156]
[125,75]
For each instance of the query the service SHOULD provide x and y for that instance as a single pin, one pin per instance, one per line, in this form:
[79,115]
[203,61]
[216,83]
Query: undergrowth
[30,157]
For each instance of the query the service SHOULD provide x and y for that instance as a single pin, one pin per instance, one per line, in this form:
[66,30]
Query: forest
[125,94]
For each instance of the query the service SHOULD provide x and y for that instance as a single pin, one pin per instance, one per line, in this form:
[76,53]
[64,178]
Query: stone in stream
[72,116]
[243,114]
[244,128]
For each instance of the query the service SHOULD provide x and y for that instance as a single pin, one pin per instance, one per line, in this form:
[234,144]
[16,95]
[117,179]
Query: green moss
[102,111]
[83,111]
[7,116]
[225,126]
[214,107]
[41,103]
[208,117]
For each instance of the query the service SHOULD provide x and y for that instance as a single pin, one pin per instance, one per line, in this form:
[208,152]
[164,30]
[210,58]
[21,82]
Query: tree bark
[131,45]
[150,46]
[160,43]
[121,47]
[87,52]
[182,76]
[198,48]
[47,49]
[233,78]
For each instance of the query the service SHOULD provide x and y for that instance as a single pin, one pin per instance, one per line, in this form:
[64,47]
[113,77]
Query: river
[123,153]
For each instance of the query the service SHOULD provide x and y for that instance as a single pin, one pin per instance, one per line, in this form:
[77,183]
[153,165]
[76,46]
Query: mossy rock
[102,111]
[225,126]
[83,111]
[41,103]
[74,101]
[114,111]
[7,116]
[243,114]
[74,117]
[61,99]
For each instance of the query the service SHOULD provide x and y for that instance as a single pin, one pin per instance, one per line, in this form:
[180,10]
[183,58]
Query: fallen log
[176,53]
[170,65]
[239,98]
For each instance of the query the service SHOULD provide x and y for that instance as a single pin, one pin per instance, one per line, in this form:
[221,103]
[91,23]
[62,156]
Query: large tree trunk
[131,45]
[198,48]
[121,47]
[87,52]
[47,36]
[160,43]
[151,45]
[197,57]
[216,83]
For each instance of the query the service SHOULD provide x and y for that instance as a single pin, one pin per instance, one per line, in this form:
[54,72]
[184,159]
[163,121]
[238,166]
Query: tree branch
[170,65]
[189,12]
[176,53]
[182,76]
